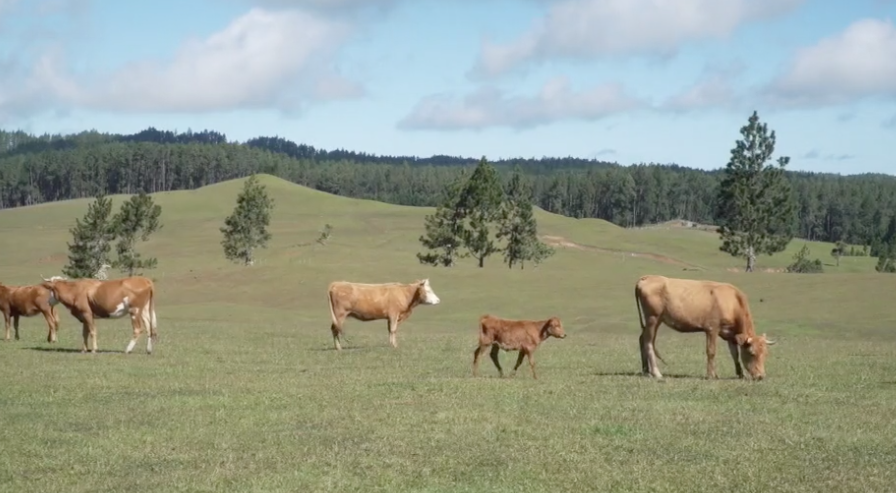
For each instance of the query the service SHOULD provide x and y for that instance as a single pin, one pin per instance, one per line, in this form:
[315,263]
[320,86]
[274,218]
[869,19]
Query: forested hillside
[33,169]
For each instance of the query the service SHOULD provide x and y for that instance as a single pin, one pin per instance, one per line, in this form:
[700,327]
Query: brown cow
[89,299]
[714,308]
[28,301]
[514,335]
[365,302]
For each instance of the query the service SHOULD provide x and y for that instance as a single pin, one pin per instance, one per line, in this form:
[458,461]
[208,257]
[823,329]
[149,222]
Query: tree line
[34,169]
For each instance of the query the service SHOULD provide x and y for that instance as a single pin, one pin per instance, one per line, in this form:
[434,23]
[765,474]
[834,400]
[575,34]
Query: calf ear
[743,340]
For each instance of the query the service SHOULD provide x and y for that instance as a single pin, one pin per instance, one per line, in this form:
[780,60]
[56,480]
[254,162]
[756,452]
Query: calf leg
[494,356]
[52,324]
[711,354]
[6,319]
[732,348]
[15,323]
[642,347]
[531,364]
[476,355]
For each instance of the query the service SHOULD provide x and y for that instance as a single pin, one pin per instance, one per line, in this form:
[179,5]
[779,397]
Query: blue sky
[666,81]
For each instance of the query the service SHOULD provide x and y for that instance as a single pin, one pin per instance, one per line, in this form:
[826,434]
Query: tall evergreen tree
[518,226]
[246,228]
[755,204]
[138,218]
[445,228]
[92,236]
[481,201]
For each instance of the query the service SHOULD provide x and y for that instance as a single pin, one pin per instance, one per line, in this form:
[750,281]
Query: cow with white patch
[393,302]
[90,299]
[28,301]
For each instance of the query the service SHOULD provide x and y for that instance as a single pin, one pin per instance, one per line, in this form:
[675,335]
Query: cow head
[553,328]
[50,284]
[425,293]
[753,351]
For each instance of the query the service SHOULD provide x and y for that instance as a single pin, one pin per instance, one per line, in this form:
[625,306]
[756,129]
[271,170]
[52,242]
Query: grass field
[245,393]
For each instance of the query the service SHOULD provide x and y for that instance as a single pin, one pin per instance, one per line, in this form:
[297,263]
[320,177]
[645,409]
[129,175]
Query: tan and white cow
[393,302]
[28,301]
[90,299]
[715,308]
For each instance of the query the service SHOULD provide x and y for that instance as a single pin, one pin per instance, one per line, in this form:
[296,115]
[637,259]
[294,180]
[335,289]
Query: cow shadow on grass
[71,350]
[637,374]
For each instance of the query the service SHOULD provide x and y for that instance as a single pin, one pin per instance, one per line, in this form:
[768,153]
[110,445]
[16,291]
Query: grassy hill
[245,393]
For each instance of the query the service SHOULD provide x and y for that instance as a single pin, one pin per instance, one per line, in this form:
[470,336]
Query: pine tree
[92,236]
[755,204]
[518,226]
[481,201]
[445,228]
[138,218]
[246,228]
[886,262]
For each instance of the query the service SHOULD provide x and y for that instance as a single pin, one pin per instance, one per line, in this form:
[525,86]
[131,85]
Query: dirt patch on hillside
[52,259]
[771,270]
[563,242]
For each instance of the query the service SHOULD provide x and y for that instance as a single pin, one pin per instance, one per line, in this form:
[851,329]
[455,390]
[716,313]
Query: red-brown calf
[28,301]
[514,335]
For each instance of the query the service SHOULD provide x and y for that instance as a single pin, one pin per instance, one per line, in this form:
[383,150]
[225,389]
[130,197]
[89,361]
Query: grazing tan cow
[393,302]
[714,308]
[28,301]
[89,299]
[514,335]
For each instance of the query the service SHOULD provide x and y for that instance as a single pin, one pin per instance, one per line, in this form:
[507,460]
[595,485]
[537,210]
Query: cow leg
[6,319]
[732,348]
[336,330]
[393,328]
[711,354]
[15,323]
[642,347]
[648,335]
[494,356]
[136,324]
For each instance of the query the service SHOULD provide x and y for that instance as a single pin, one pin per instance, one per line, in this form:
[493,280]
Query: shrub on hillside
[802,265]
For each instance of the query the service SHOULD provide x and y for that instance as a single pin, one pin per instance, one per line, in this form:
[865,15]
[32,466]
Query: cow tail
[153,324]
[643,322]
[333,315]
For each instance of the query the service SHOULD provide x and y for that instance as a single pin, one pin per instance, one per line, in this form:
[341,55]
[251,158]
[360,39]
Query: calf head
[753,351]
[553,328]
[425,293]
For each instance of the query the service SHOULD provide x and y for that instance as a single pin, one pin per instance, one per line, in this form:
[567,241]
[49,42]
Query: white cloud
[262,59]
[860,62]
[588,29]
[490,107]
[714,89]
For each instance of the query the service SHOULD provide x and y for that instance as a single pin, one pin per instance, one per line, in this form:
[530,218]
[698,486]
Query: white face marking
[430,298]
[121,310]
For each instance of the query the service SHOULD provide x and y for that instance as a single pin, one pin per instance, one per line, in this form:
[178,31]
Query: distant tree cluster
[758,206]
[476,214]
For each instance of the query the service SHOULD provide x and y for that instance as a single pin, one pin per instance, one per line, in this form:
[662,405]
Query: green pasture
[245,393]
